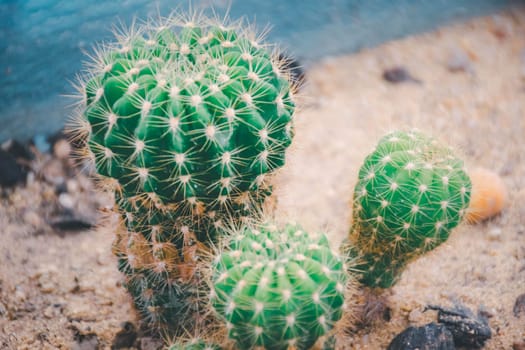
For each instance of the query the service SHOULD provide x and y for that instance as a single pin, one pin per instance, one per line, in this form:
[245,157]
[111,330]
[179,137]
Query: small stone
[398,75]
[518,345]
[62,149]
[519,306]
[469,330]
[429,337]
[459,61]
[66,201]
[72,186]
[33,219]
[47,287]
[54,173]
[494,234]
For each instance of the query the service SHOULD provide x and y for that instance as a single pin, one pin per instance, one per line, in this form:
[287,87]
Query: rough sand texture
[63,292]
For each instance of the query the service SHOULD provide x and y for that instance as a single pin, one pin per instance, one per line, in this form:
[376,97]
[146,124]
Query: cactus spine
[410,194]
[277,289]
[185,120]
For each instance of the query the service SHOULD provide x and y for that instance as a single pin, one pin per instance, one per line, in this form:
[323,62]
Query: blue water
[43,42]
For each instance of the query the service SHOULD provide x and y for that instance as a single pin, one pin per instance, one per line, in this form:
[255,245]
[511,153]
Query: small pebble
[488,196]
[62,149]
[429,337]
[398,75]
[494,234]
[519,306]
[66,201]
[518,345]
[459,61]
[33,219]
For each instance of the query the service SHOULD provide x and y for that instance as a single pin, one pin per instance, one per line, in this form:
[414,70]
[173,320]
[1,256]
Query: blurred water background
[43,42]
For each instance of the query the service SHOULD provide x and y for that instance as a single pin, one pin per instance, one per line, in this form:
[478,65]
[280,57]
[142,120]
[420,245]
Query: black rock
[70,223]
[429,337]
[519,305]
[20,151]
[125,338]
[398,75]
[11,173]
[468,330]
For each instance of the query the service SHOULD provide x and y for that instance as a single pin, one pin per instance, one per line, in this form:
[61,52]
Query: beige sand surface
[63,292]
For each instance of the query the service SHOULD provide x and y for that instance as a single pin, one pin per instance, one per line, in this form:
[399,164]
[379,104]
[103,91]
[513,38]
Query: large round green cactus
[411,192]
[278,288]
[184,120]
[192,114]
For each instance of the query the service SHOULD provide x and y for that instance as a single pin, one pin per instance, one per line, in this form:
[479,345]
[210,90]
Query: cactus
[278,288]
[185,121]
[410,194]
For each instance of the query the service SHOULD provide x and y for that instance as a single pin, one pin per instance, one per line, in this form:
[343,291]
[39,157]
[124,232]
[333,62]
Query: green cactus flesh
[278,288]
[186,114]
[410,193]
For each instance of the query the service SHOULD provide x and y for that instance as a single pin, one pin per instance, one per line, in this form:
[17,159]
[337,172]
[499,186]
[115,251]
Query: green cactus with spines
[410,194]
[278,288]
[186,121]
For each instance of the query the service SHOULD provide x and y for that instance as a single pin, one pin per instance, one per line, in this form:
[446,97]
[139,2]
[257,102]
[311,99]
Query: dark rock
[429,337]
[519,305]
[70,223]
[11,173]
[125,338]
[20,151]
[469,330]
[518,345]
[398,75]
[86,342]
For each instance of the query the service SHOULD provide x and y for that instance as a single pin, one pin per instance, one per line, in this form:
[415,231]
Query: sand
[62,291]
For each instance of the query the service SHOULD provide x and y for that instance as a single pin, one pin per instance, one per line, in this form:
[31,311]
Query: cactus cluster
[278,288]
[185,121]
[410,193]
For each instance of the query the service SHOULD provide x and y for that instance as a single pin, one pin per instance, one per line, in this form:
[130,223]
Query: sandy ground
[62,290]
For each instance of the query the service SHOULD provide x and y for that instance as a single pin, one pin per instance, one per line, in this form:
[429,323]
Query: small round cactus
[278,288]
[410,194]
[184,120]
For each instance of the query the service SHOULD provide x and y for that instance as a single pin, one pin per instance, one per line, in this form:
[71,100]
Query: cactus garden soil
[466,86]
